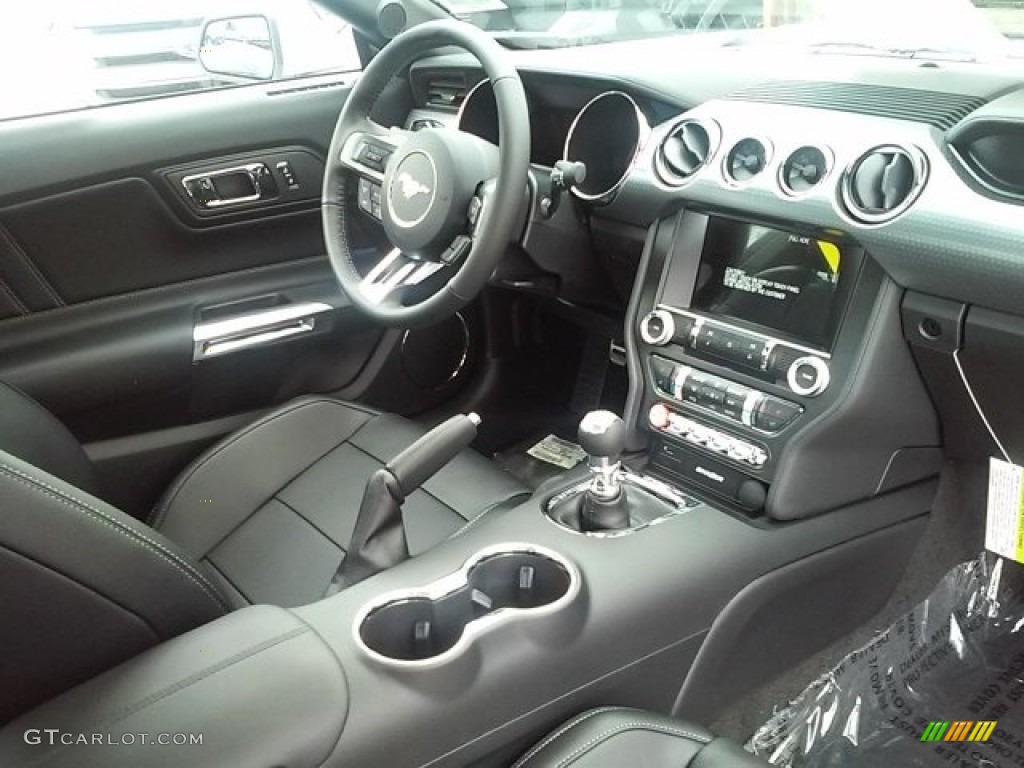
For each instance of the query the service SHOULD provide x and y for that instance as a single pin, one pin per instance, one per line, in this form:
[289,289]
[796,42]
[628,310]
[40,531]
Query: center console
[747,338]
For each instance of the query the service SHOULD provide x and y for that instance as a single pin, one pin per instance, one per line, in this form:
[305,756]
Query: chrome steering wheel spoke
[393,273]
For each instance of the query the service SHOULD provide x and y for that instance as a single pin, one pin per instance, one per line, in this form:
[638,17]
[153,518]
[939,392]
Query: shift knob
[602,434]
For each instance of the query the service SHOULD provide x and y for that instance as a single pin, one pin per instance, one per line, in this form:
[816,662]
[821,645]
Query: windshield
[969,30]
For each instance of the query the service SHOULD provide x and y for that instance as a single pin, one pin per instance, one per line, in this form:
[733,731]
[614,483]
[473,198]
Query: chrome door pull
[219,337]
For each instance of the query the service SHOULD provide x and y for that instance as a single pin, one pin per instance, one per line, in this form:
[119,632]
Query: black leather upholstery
[83,587]
[613,737]
[286,490]
[260,685]
[30,432]
[263,517]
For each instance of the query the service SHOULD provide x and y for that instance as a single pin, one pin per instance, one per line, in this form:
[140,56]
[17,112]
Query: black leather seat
[614,737]
[262,517]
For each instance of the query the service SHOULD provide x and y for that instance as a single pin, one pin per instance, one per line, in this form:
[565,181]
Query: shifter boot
[597,514]
[378,541]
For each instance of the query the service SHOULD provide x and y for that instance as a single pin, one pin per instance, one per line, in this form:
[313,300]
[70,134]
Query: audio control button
[773,414]
[657,328]
[732,406]
[663,371]
[711,395]
[808,376]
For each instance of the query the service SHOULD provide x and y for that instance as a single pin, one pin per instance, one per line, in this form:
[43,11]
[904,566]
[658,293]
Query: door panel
[53,153]
[122,236]
[125,364]
[107,268]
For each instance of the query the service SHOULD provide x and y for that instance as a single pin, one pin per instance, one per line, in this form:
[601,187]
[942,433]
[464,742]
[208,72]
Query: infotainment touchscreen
[787,283]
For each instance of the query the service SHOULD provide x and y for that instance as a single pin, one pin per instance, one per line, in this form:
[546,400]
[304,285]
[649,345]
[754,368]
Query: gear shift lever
[602,434]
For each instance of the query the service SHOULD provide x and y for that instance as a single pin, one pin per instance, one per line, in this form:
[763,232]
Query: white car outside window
[67,54]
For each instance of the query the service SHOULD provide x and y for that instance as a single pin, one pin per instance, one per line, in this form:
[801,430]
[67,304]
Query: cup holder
[428,625]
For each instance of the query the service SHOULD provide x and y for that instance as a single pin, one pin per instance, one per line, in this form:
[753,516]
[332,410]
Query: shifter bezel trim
[678,500]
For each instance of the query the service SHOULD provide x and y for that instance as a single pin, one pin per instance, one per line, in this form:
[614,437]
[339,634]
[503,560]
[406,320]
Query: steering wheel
[448,201]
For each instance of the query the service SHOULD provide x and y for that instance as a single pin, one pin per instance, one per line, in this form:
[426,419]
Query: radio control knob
[657,328]
[808,376]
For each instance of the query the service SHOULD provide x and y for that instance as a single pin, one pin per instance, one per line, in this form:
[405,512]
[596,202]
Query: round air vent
[685,150]
[745,160]
[883,182]
[804,169]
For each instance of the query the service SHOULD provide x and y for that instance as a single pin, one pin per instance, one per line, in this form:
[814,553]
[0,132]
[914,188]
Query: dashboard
[814,154]
[793,228]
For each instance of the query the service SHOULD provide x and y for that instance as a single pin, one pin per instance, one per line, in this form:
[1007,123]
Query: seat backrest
[33,434]
[83,586]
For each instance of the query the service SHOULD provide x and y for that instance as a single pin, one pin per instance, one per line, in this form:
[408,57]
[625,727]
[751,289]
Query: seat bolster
[92,543]
[238,475]
[85,586]
[616,736]
[33,434]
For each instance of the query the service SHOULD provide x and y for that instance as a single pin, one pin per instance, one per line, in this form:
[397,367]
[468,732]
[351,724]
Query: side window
[59,55]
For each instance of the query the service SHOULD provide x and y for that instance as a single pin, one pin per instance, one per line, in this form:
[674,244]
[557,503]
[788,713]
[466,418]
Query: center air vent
[804,169]
[745,160]
[685,150]
[883,183]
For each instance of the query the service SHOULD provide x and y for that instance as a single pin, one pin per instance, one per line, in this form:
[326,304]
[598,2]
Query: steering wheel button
[457,250]
[365,195]
[474,210]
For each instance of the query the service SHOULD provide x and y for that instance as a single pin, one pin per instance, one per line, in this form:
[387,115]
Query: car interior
[493,405]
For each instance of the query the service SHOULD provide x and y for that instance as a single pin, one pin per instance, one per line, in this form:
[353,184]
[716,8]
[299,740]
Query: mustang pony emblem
[410,187]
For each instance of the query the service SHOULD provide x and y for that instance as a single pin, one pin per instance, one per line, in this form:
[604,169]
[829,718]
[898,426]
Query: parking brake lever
[378,540]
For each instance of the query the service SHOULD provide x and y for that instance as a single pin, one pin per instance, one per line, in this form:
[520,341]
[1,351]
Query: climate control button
[664,419]
[736,402]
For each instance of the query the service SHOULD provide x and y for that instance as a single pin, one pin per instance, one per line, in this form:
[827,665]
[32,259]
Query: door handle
[247,183]
[253,329]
